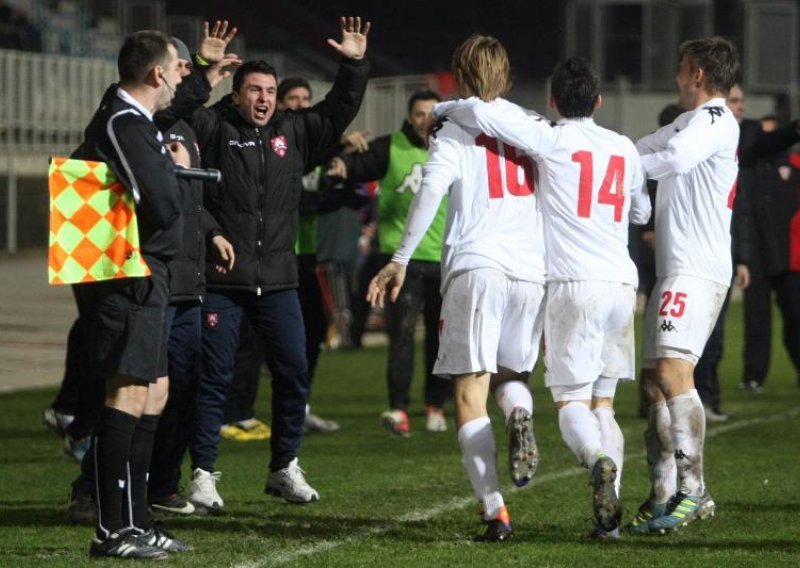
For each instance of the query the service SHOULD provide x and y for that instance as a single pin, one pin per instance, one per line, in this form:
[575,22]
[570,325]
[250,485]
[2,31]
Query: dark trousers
[243,391]
[278,321]
[420,294]
[314,318]
[706,379]
[240,403]
[177,420]
[372,264]
[758,320]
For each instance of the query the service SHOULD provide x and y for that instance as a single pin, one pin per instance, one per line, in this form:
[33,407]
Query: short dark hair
[291,83]
[422,95]
[140,52]
[717,57]
[669,113]
[257,66]
[575,87]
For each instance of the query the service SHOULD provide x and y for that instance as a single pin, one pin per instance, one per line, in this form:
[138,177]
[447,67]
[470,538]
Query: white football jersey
[493,219]
[694,161]
[591,183]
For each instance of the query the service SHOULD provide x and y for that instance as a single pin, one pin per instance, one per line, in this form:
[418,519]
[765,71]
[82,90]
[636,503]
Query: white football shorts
[601,388]
[489,320]
[588,332]
[680,316]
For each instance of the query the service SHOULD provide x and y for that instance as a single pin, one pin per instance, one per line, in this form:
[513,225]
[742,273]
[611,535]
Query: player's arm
[500,119]
[702,136]
[641,207]
[439,173]
[656,141]
[147,167]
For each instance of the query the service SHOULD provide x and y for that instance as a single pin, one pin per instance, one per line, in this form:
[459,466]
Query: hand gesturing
[354,39]
[212,48]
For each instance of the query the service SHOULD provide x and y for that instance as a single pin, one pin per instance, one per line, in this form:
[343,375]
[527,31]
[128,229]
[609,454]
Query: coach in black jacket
[262,155]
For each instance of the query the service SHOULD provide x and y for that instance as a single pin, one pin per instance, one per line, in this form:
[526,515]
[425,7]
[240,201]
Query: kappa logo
[279,145]
[715,112]
[679,455]
[667,326]
[412,181]
[212,319]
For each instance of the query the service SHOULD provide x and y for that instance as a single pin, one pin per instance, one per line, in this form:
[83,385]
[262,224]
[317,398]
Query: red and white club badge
[279,145]
[212,319]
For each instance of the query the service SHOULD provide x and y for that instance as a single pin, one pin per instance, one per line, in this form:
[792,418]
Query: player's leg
[578,318]
[687,314]
[472,310]
[657,436]
[613,445]
[478,452]
[522,322]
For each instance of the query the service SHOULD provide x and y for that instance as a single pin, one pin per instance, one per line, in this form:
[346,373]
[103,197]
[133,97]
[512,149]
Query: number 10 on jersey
[513,162]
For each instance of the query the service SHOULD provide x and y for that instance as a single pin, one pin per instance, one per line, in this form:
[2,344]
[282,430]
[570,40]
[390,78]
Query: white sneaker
[714,416]
[435,420]
[314,423]
[202,491]
[290,483]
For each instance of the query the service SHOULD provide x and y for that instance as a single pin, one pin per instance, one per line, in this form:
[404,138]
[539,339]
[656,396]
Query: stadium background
[47,97]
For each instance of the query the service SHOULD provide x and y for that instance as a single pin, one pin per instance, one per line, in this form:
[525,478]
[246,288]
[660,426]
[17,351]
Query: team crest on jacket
[279,145]
[212,319]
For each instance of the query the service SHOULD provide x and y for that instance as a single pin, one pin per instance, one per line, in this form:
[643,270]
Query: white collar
[126,96]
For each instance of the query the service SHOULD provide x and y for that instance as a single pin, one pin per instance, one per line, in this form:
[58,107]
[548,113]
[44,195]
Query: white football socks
[479,456]
[580,430]
[660,453]
[512,394]
[688,437]
[611,439]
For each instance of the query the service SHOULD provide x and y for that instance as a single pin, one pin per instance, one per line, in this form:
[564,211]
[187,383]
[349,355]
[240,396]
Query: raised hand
[354,38]
[217,72]
[216,40]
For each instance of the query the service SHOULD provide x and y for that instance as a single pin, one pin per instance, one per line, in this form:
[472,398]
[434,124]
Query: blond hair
[480,64]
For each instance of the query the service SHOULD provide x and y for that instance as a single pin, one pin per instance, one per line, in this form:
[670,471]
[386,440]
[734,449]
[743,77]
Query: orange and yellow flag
[93,231]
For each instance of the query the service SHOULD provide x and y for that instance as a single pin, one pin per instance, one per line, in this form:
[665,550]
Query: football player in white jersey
[694,161]
[591,184]
[492,280]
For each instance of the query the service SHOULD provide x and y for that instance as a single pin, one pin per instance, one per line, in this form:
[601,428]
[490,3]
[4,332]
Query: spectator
[397,160]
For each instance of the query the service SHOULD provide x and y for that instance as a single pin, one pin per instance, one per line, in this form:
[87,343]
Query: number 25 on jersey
[612,191]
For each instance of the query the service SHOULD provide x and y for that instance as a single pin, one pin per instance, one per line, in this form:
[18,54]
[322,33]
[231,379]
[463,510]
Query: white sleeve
[699,140]
[656,141]
[641,208]
[439,172]
[505,121]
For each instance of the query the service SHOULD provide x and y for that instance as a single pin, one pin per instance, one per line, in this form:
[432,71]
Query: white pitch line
[461,502]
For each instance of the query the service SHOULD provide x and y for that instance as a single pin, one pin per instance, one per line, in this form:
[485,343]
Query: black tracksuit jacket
[256,204]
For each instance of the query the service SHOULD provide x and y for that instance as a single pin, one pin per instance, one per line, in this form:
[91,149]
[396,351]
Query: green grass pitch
[407,502]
